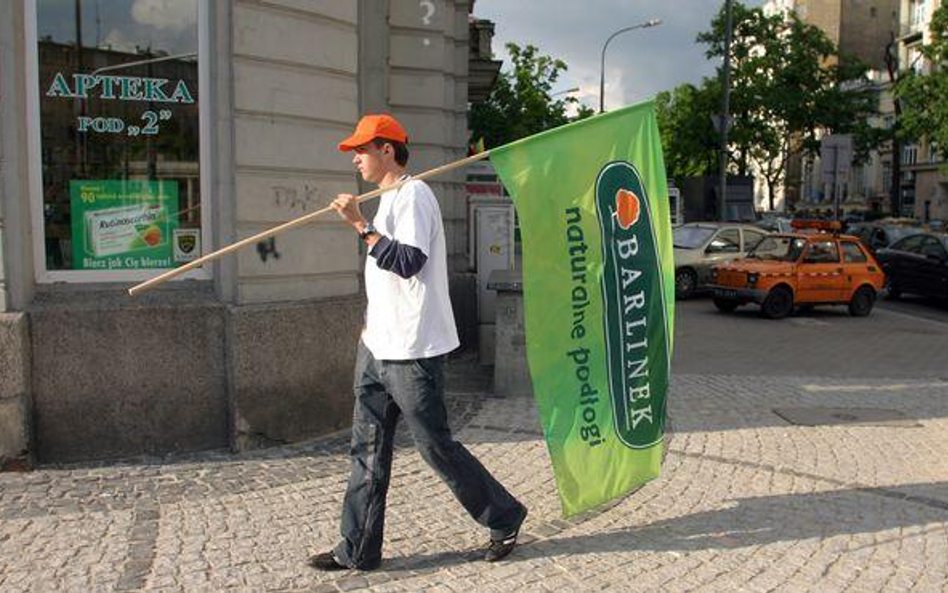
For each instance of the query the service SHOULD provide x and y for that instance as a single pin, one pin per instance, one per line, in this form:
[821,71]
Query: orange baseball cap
[371,127]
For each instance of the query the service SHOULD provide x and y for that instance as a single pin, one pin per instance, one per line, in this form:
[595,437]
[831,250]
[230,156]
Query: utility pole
[837,186]
[725,111]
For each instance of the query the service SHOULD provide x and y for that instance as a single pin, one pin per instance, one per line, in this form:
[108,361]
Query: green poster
[122,225]
[598,296]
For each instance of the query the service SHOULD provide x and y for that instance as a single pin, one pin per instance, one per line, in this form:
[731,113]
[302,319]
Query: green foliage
[789,86]
[520,104]
[924,98]
[688,138]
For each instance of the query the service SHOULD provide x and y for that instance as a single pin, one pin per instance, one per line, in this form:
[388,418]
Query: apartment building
[859,28]
[923,188]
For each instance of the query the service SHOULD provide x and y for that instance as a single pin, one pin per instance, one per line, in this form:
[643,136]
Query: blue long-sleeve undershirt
[395,257]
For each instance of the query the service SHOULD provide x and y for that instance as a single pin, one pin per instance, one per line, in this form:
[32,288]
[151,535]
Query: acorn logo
[628,208]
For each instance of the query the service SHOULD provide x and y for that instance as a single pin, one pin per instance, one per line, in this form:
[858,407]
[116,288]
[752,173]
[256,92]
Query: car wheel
[685,283]
[861,303]
[778,304]
[892,290]
[725,305]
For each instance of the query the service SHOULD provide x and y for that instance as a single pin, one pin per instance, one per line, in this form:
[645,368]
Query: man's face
[371,161]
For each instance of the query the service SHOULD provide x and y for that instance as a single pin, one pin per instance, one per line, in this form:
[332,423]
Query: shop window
[118,138]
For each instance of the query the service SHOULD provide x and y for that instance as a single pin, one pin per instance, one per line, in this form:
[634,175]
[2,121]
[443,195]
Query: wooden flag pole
[306,218]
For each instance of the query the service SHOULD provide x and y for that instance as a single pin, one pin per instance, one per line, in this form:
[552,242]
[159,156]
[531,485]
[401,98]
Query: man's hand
[348,208]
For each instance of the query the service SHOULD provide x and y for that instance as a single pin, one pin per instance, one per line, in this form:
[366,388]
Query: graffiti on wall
[300,199]
[429,9]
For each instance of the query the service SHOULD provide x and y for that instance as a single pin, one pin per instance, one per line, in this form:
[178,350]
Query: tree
[790,86]
[520,104]
[689,141]
[924,97]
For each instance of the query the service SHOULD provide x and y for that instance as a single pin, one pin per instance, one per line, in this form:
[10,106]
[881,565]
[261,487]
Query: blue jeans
[385,389]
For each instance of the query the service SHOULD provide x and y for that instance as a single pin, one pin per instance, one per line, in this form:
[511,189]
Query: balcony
[909,32]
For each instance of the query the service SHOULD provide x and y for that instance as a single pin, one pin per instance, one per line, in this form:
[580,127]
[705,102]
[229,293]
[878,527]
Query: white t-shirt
[410,318]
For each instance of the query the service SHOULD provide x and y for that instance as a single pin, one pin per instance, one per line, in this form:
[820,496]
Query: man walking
[409,327]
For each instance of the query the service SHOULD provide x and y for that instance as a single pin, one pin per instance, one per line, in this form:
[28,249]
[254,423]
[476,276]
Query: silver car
[701,245]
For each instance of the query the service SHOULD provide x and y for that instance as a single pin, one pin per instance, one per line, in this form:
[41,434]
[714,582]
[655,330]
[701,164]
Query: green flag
[598,283]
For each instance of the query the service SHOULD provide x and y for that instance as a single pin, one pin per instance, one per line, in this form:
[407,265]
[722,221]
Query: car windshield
[691,237]
[778,248]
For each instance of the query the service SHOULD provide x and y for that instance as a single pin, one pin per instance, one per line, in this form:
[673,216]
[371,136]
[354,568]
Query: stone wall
[291,369]
[15,402]
[113,376]
[428,94]
[867,28]
[295,96]
[3,282]
[859,28]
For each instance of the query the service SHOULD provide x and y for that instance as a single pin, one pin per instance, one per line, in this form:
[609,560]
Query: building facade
[862,185]
[134,140]
[923,185]
[859,28]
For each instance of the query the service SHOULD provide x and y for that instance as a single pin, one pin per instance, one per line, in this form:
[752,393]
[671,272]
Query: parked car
[775,224]
[796,269]
[917,264]
[700,245]
[877,235]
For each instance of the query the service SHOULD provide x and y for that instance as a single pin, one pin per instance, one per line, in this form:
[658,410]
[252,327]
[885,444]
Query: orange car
[801,268]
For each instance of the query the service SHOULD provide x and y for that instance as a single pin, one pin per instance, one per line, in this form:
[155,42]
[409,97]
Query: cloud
[119,42]
[165,14]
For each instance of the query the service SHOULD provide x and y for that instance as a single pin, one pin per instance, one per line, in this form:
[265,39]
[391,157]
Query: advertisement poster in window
[123,225]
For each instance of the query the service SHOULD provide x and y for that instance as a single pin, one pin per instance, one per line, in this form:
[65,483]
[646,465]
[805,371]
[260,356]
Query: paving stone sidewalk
[746,501]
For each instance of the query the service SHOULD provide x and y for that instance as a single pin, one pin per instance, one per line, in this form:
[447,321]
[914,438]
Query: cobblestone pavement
[746,501]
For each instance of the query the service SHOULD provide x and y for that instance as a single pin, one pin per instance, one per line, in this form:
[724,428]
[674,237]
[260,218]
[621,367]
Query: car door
[903,261]
[820,273]
[933,268]
[857,269]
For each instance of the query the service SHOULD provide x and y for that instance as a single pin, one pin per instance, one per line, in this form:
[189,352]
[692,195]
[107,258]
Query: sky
[639,63]
[165,25]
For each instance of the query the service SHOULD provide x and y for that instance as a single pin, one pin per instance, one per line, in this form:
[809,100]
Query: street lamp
[602,62]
